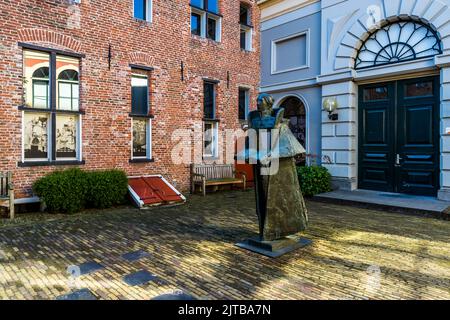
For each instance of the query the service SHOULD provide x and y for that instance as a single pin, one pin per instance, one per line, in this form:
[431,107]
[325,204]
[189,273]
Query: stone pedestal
[276,248]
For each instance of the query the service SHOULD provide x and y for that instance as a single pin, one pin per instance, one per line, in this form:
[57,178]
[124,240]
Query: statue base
[276,248]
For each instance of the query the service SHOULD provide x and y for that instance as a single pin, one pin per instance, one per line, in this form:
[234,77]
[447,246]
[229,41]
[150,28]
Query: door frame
[393,82]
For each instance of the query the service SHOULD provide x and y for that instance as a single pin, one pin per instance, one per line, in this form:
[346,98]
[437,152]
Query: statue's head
[265,102]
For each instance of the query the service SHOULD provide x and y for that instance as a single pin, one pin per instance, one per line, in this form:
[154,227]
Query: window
[244,99]
[205,19]
[290,53]
[51,112]
[246,28]
[142,10]
[210,128]
[141,138]
[141,121]
[209,100]
[397,42]
[210,139]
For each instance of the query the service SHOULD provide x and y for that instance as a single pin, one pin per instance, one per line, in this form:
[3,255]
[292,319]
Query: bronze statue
[280,205]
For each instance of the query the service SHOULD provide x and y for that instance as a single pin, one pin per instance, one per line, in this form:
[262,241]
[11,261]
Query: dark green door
[399,136]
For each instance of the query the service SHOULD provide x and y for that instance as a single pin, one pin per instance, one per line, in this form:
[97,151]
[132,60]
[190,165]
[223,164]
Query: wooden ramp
[147,191]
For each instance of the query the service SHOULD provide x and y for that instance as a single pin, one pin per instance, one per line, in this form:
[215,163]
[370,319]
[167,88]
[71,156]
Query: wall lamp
[330,105]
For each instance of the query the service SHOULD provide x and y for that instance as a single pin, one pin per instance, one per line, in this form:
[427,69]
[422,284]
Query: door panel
[418,136]
[399,136]
[376,138]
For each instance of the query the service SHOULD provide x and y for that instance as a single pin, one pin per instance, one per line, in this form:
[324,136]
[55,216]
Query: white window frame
[148,139]
[248,37]
[78,147]
[215,140]
[148,11]
[204,16]
[273,61]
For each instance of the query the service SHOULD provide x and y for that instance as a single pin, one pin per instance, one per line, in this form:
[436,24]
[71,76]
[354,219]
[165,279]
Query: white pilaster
[339,138]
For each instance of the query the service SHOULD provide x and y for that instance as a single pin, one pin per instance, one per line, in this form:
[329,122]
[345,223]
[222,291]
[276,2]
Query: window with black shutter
[209,100]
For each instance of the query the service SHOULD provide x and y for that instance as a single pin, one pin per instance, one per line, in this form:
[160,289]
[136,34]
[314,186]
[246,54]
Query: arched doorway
[295,112]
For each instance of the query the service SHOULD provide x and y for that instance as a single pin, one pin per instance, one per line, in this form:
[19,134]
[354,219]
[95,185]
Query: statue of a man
[279,201]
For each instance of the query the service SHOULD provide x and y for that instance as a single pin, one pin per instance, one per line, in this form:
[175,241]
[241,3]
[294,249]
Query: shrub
[107,188]
[314,180]
[73,190]
[63,191]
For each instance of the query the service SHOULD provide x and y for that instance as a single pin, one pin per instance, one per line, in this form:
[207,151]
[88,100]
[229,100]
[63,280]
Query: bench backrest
[214,171]
[5,179]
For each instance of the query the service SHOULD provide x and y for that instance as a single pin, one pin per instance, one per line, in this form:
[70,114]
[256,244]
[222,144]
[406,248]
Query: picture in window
[66,136]
[208,139]
[36,79]
[139,138]
[35,136]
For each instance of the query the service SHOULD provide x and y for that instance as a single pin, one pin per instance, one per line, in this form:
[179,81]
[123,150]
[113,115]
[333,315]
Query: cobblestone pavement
[356,254]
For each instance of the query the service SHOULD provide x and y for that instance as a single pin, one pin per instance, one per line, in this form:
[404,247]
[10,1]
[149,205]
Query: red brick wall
[106,93]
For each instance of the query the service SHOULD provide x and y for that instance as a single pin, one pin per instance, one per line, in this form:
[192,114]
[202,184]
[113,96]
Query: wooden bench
[205,175]
[7,192]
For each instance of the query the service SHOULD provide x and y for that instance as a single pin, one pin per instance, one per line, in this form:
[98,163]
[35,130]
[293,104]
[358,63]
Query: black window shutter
[140,100]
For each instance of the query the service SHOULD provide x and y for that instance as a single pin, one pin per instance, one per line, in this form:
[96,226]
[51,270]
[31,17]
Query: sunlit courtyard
[355,254]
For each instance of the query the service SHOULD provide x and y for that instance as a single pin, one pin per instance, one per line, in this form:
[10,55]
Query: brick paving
[356,254]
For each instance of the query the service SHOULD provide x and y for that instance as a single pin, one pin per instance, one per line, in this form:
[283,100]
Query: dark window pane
[419,89]
[213,5]
[139,95]
[242,104]
[195,24]
[211,29]
[209,100]
[197,3]
[243,40]
[140,9]
[374,94]
[243,17]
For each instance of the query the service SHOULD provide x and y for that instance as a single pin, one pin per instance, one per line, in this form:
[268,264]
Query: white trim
[135,197]
[273,58]
[279,101]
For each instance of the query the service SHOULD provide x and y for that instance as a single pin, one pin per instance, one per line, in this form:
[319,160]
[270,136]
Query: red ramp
[153,191]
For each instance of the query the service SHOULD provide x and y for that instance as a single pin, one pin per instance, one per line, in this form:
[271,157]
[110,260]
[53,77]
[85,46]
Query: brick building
[97,85]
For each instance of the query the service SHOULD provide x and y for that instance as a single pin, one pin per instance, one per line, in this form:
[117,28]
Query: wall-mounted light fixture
[330,105]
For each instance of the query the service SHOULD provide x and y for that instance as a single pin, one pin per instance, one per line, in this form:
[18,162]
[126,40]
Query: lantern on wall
[330,105]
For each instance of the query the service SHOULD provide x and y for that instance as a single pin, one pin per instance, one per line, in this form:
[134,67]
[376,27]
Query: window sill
[24,108]
[211,120]
[142,160]
[142,21]
[50,163]
[148,116]
[205,39]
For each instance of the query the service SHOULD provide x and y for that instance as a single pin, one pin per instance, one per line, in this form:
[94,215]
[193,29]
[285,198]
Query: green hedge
[73,190]
[106,188]
[314,180]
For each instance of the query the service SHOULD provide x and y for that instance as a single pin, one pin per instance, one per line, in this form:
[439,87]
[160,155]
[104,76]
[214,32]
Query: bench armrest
[198,175]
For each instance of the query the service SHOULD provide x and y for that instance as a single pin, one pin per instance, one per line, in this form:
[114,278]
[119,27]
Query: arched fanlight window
[397,42]
[41,73]
[68,75]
